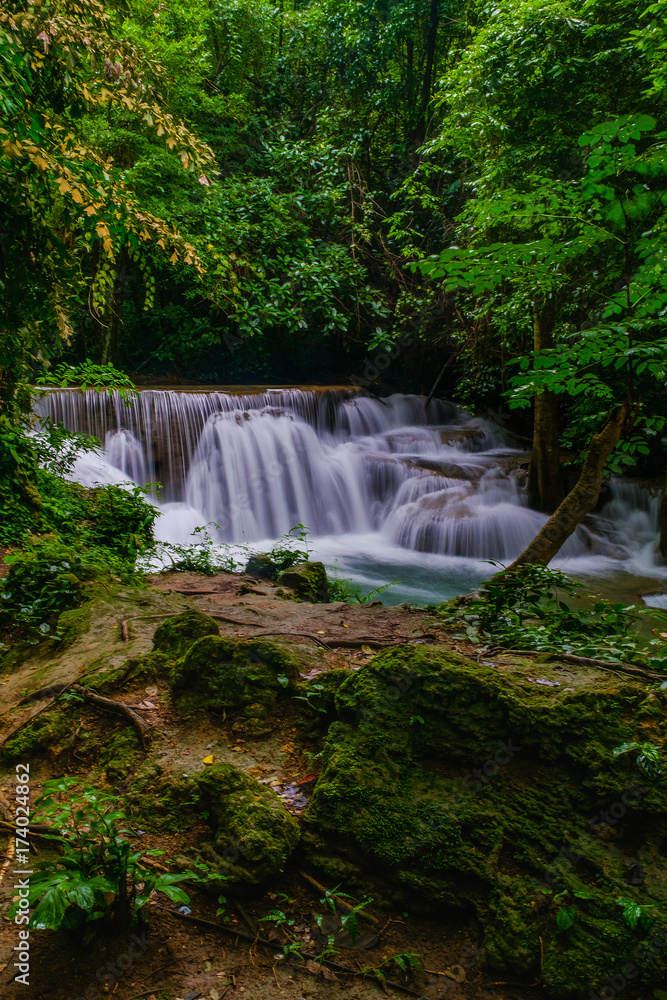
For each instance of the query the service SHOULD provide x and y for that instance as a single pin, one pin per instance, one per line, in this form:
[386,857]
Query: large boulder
[224,674]
[175,636]
[493,790]
[254,835]
[308,582]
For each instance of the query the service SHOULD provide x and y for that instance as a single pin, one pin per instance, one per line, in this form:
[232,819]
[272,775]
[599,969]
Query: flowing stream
[389,490]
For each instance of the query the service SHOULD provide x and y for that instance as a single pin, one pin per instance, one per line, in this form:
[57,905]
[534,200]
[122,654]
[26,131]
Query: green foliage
[648,759]
[342,589]
[524,609]
[90,376]
[634,914]
[99,876]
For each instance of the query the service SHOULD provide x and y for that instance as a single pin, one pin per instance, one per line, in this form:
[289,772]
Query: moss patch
[72,624]
[254,834]
[447,782]
[161,801]
[307,581]
[45,732]
[225,674]
[175,636]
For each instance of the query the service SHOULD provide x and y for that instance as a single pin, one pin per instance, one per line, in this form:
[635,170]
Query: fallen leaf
[367,650]
[208,760]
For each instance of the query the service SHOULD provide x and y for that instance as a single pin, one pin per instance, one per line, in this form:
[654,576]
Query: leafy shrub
[44,579]
[99,876]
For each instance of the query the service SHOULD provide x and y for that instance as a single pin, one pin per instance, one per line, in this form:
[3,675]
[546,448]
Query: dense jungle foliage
[367,191]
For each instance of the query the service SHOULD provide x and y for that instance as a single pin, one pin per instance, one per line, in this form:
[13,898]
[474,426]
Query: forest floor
[183,959]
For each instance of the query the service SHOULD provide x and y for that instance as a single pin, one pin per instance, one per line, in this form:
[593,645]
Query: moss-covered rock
[72,624]
[162,801]
[175,636]
[254,834]
[451,783]
[308,581]
[45,732]
[120,754]
[223,674]
[262,566]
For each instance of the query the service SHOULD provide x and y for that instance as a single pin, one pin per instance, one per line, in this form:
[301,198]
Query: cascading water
[388,487]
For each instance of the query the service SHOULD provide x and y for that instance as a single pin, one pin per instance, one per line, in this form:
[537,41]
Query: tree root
[272,944]
[584,661]
[115,706]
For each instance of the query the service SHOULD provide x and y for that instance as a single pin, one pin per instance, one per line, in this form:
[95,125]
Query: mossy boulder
[224,674]
[308,582]
[254,835]
[175,636]
[162,801]
[48,731]
[262,566]
[72,624]
[452,783]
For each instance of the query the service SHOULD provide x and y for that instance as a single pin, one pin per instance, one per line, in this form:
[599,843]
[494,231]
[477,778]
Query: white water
[388,490]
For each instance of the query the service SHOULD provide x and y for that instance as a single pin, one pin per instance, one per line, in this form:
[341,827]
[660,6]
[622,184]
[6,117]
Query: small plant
[648,759]
[290,549]
[566,915]
[204,556]
[634,914]
[408,962]
[313,698]
[99,878]
[343,589]
[349,920]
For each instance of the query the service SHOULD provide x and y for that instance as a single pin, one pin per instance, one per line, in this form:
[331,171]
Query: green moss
[450,783]
[224,674]
[149,667]
[308,582]
[254,834]
[44,732]
[120,754]
[161,801]
[175,636]
[72,624]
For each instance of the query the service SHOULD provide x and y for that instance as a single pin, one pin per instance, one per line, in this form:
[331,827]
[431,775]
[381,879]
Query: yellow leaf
[209,760]
[77,196]
[90,210]
[40,162]
[63,186]
[367,650]
[320,632]
[174,257]
[162,244]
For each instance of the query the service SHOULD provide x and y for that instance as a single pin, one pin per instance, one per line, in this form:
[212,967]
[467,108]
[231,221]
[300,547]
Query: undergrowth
[526,609]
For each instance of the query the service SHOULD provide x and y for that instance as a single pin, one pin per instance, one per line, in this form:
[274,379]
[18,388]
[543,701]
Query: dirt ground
[181,957]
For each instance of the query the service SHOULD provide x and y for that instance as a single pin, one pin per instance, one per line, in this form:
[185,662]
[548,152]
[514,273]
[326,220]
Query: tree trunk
[582,499]
[545,486]
[662,543]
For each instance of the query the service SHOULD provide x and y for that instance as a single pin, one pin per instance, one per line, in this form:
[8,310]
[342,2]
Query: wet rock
[175,636]
[452,783]
[262,567]
[308,581]
[254,834]
[224,674]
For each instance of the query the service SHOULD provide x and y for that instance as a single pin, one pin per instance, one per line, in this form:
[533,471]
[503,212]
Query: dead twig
[124,631]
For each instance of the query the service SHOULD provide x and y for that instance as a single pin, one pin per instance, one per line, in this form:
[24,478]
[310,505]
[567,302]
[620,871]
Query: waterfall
[428,481]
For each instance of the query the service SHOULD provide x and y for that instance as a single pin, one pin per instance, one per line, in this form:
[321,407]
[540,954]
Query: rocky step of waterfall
[369,478]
